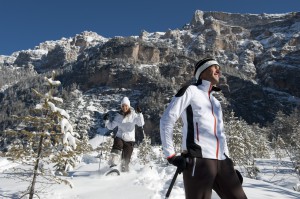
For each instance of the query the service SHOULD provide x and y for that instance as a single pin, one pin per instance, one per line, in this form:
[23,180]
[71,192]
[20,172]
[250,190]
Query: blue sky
[26,23]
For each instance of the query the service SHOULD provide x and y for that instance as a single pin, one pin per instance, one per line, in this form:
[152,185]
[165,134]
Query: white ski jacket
[126,125]
[203,130]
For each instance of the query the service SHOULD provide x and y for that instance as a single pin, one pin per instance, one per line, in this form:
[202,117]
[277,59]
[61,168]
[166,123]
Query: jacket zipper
[215,123]
[197,131]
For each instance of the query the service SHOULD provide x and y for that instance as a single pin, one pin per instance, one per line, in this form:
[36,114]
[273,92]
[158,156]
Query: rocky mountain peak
[258,53]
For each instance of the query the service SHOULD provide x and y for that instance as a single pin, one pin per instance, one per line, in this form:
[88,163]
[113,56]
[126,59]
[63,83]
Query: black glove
[138,109]
[105,116]
[179,162]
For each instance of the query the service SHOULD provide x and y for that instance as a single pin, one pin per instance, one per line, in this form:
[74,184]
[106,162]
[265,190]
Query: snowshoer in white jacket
[125,120]
[205,164]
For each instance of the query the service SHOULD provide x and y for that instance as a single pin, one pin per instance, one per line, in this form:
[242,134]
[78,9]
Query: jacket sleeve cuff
[171,156]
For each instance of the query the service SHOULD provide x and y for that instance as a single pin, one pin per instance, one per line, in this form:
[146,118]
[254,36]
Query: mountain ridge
[257,53]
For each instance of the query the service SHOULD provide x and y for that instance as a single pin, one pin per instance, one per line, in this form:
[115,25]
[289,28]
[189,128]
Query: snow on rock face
[209,33]
[254,50]
[198,18]
[53,54]
[7,60]
[87,39]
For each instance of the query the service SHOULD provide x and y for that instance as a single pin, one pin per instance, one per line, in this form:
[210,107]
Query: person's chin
[214,81]
[217,80]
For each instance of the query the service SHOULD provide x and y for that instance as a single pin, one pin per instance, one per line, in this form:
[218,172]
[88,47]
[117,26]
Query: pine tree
[294,120]
[290,134]
[46,137]
[104,149]
[234,134]
[280,133]
[278,146]
[262,145]
[280,126]
[286,138]
[245,143]
[145,151]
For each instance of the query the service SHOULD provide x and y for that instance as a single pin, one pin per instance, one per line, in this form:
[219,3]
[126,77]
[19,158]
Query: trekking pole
[172,183]
[100,154]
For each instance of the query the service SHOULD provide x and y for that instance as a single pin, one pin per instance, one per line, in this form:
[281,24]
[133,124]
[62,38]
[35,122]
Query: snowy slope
[151,181]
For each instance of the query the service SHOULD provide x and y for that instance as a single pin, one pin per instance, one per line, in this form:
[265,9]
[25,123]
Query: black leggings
[207,174]
[126,148]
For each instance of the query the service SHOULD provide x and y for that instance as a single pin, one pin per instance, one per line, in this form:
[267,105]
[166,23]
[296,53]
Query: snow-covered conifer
[294,146]
[145,151]
[287,129]
[234,134]
[104,149]
[245,143]
[45,137]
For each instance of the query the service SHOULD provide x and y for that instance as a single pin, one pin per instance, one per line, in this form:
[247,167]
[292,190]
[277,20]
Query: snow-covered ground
[276,180]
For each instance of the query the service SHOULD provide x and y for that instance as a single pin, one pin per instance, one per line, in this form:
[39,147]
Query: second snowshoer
[125,120]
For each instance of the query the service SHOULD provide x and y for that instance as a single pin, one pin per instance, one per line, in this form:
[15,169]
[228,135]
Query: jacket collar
[206,86]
